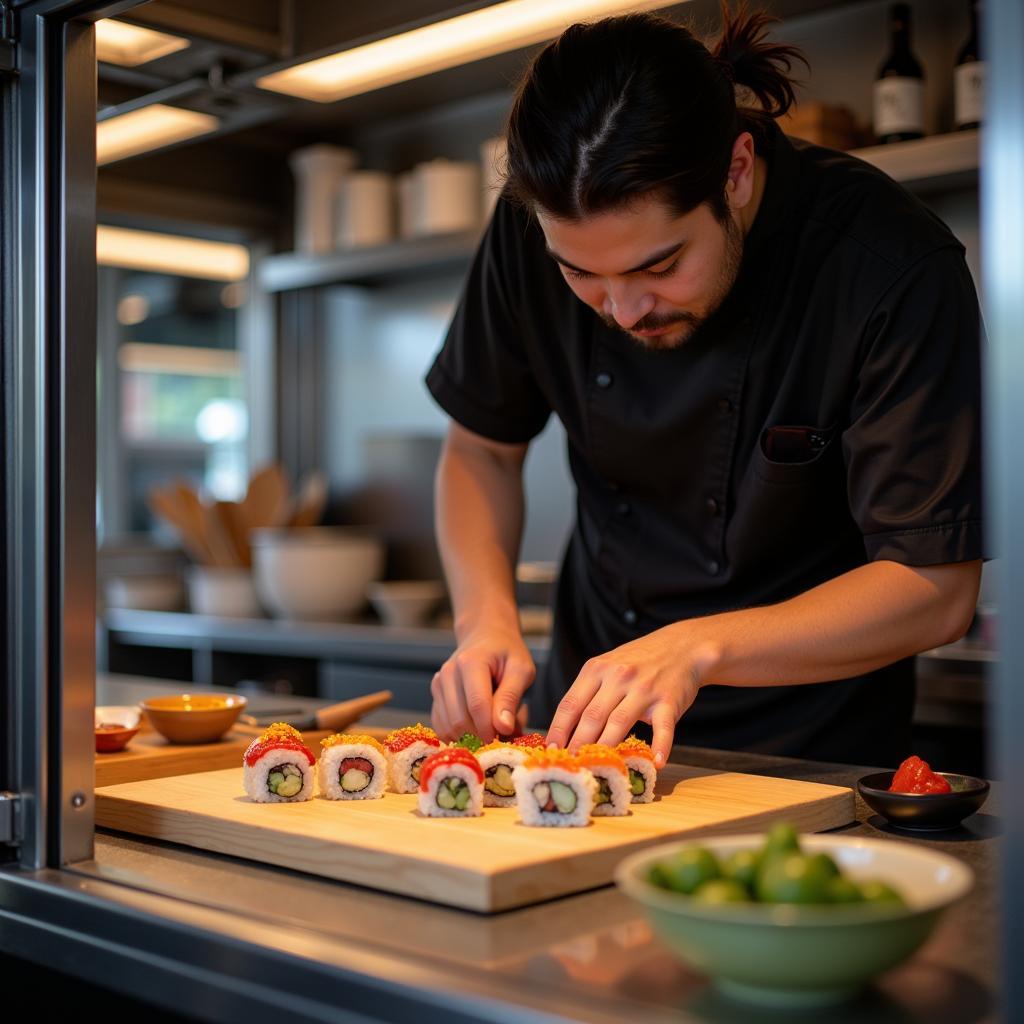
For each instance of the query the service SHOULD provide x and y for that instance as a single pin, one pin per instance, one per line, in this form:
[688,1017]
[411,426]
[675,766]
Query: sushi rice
[554,789]
[498,760]
[451,785]
[352,767]
[277,767]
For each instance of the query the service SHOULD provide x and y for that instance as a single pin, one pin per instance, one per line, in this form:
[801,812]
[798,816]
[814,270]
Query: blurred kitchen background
[280,252]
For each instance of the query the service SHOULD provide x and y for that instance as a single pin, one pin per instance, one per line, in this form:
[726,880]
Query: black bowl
[924,811]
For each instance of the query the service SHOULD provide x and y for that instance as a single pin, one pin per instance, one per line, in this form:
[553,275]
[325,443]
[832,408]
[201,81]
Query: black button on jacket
[827,416]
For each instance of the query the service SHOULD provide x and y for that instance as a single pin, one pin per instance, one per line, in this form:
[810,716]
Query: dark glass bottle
[899,87]
[969,78]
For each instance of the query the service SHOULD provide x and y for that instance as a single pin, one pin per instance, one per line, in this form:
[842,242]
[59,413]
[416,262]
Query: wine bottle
[899,87]
[969,78]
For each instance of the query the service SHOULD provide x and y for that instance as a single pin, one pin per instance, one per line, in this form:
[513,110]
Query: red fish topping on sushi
[399,739]
[529,739]
[278,736]
[444,758]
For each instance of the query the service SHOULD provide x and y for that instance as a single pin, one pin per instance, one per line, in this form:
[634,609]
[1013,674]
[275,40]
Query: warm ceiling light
[171,254]
[148,128]
[445,44]
[117,42]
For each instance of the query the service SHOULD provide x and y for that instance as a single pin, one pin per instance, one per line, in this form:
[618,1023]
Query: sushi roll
[352,767]
[643,775]
[553,788]
[451,785]
[497,760]
[609,769]
[408,748]
[278,767]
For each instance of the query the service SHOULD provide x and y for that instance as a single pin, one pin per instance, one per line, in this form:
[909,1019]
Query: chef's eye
[668,271]
[576,275]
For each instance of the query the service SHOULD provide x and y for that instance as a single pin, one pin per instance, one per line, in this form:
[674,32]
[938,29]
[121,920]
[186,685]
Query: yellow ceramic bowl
[193,717]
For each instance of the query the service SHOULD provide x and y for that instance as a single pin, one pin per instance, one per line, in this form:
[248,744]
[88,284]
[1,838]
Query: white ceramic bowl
[405,602]
[128,715]
[222,590]
[318,572]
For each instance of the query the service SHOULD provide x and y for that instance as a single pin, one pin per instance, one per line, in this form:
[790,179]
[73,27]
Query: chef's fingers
[515,681]
[438,712]
[471,706]
[621,719]
[610,703]
[446,697]
[663,725]
[571,706]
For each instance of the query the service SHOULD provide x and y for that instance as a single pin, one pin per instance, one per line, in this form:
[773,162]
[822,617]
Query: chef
[765,355]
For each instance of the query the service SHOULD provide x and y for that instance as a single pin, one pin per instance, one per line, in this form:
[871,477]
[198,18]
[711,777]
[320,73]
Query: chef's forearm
[479,512]
[866,618]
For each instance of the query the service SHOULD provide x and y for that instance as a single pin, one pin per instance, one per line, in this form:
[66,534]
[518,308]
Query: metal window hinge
[10,819]
[8,39]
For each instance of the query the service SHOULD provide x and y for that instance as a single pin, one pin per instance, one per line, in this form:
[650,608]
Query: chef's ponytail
[746,57]
[638,105]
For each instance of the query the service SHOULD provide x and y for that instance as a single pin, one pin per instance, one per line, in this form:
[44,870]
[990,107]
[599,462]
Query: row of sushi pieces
[549,786]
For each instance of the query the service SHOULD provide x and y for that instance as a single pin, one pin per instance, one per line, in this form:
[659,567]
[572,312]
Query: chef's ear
[739,186]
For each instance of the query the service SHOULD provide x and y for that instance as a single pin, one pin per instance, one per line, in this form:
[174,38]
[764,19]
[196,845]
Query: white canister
[222,590]
[365,210]
[405,189]
[445,197]
[494,168]
[318,174]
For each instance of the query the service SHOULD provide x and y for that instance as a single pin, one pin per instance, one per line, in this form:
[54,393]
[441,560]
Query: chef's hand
[480,688]
[653,679]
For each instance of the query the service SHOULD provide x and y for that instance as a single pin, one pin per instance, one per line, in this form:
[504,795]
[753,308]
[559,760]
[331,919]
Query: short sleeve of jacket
[482,376]
[913,444]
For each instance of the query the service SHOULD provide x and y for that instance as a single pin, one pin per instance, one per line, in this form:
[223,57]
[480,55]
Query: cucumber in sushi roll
[609,769]
[643,775]
[498,760]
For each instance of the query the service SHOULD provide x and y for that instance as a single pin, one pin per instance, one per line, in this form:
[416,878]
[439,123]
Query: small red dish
[111,736]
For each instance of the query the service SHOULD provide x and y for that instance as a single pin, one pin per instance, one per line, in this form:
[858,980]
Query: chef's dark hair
[638,105]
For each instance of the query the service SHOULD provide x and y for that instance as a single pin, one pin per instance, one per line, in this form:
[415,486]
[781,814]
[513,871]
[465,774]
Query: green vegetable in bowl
[777,872]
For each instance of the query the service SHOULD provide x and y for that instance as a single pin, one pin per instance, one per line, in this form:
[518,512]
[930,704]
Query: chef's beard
[688,324]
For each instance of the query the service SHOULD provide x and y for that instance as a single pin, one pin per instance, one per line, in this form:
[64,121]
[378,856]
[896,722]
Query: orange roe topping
[399,739]
[597,755]
[340,739]
[632,747]
[282,731]
[554,758]
[529,739]
[495,745]
[446,757]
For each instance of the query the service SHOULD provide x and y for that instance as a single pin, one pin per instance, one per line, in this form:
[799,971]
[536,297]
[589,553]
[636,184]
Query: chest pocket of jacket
[795,454]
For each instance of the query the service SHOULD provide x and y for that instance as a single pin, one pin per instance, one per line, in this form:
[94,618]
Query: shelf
[930,164]
[376,265]
[923,165]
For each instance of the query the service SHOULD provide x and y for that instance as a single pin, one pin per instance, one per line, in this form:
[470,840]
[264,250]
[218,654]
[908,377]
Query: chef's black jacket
[854,317]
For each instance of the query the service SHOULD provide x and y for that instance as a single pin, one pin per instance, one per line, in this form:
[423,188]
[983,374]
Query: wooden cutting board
[486,864]
[150,756]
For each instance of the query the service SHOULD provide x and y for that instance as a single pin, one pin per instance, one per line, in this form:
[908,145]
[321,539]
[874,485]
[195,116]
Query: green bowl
[792,955]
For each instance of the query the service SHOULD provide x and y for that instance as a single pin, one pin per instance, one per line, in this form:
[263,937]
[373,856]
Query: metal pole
[1002,232]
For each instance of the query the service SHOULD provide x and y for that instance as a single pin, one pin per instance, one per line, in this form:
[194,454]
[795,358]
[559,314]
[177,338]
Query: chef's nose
[626,306]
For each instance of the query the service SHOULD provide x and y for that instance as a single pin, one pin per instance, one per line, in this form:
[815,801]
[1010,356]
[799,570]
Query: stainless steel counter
[225,939]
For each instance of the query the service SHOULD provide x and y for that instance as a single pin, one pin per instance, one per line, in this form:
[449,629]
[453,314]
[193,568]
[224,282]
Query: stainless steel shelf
[373,265]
